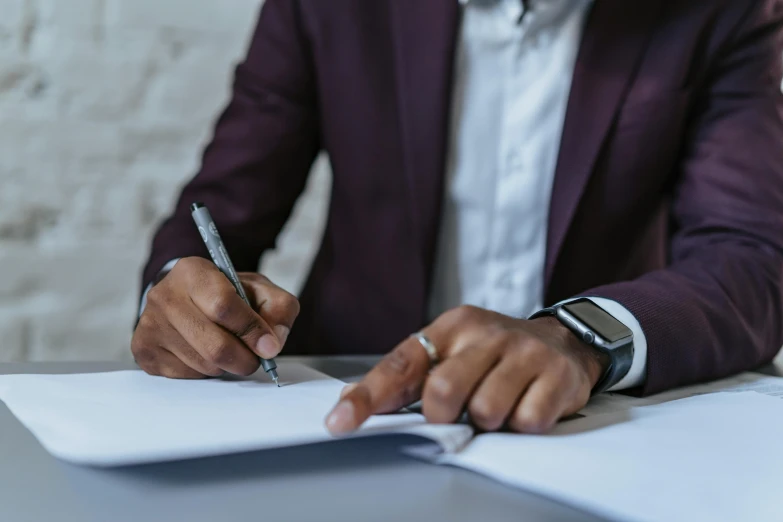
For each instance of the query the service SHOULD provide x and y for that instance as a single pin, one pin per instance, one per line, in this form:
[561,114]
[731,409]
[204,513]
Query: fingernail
[282,333]
[268,346]
[348,389]
[341,419]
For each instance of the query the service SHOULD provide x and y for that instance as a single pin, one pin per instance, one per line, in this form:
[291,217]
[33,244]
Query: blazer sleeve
[717,308]
[261,152]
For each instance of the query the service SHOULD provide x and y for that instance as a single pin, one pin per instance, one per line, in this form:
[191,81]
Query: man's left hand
[506,372]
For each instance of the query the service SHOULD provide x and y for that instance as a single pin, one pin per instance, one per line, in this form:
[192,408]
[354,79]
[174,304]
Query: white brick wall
[104,108]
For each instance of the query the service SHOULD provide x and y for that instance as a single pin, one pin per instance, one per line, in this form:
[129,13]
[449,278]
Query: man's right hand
[195,324]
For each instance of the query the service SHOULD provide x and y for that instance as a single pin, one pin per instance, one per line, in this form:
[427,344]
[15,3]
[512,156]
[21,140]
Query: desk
[347,483]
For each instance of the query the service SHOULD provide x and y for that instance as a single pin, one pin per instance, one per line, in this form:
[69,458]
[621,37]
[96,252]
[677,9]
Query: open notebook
[713,456]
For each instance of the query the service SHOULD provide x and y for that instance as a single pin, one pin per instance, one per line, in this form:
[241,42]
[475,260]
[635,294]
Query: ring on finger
[429,347]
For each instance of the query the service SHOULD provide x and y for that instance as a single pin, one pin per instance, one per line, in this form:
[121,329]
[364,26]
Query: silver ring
[425,342]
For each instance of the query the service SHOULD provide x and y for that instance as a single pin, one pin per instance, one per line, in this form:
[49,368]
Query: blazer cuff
[636,375]
[163,271]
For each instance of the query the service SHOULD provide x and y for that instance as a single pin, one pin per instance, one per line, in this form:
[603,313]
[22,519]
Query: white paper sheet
[712,457]
[121,418]
[709,457]
[748,381]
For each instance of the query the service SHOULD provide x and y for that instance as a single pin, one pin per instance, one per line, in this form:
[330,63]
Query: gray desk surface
[344,481]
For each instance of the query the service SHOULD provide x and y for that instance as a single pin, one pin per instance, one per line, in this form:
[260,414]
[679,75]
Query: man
[491,158]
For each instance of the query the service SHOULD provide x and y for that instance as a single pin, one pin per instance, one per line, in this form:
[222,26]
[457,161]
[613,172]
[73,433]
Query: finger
[543,404]
[217,346]
[276,306]
[348,389]
[160,333]
[218,300]
[497,395]
[451,383]
[188,355]
[160,362]
[395,382]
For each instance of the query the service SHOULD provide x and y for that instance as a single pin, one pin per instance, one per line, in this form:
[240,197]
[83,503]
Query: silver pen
[217,251]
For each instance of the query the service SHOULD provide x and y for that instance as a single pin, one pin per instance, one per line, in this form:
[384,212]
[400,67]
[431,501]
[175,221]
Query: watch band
[620,357]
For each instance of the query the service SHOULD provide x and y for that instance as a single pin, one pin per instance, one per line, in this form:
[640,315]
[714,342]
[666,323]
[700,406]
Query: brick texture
[106,105]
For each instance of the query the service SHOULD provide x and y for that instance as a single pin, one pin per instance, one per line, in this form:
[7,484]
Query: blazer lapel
[615,38]
[425,37]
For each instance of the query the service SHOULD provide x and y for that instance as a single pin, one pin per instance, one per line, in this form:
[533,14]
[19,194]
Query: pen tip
[277,381]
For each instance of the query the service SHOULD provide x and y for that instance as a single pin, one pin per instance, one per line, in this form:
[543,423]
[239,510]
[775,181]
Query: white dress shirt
[511,89]
[510,93]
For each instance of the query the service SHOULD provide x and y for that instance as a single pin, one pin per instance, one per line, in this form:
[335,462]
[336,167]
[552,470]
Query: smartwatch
[593,325]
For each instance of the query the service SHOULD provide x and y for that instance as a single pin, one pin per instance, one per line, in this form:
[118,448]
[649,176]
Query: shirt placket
[505,292]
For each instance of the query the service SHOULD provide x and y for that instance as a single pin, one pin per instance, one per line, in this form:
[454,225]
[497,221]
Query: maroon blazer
[668,195]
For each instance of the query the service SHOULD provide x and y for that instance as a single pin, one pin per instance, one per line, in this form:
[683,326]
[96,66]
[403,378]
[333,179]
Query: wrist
[594,362]
[158,278]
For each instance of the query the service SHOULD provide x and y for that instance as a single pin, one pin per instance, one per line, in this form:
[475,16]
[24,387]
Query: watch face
[598,320]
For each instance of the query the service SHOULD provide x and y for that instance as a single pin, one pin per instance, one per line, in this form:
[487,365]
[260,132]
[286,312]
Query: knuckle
[156,295]
[185,269]
[142,351]
[162,296]
[204,366]
[441,388]
[221,354]
[192,323]
[221,307]
[291,305]
[188,265]
[462,314]
[146,357]
[485,413]
[184,264]
[285,305]
[146,323]
[529,421]
[535,345]
[499,340]
[511,342]
[252,277]
[535,349]
[397,364]
[198,274]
